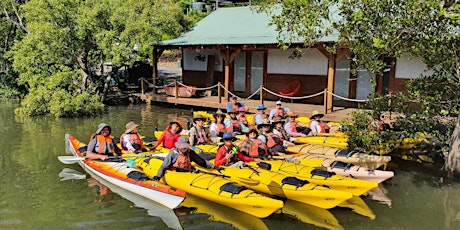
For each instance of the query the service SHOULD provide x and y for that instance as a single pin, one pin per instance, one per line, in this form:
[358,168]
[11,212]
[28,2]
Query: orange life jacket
[134,139]
[273,140]
[264,116]
[244,120]
[323,125]
[279,113]
[234,126]
[221,129]
[182,161]
[294,126]
[104,145]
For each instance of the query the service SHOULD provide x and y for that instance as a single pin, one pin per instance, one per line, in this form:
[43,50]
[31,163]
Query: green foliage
[57,60]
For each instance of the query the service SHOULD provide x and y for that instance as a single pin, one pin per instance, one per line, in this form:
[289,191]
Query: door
[248,72]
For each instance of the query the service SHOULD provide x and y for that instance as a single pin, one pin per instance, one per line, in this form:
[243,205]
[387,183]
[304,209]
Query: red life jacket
[258,149]
[104,145]
[273,140]
[170,139]
[234,126]
[182,161]
[134,139]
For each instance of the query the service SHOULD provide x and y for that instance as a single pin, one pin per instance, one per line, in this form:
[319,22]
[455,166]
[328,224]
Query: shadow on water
[33,197]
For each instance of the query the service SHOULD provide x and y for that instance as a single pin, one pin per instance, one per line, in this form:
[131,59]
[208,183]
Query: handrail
[302,97]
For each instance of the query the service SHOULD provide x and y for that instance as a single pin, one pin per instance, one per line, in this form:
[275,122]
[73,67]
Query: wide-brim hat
[182,143]
[199,117]
[279,120]
[181,125]
[233,110]
[278,102]
[241,109]
[316,113]
[265,122]
[291,114]
[261,107]
[228,136]
[131,126]
[101,126]
[219,112]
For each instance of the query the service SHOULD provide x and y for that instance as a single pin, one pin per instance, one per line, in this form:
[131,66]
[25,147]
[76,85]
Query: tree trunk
[452,164]
[106,88]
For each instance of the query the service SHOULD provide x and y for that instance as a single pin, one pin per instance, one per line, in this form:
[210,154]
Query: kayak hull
[116,173]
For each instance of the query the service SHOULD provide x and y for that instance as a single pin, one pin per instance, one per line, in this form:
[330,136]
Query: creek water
[34,196]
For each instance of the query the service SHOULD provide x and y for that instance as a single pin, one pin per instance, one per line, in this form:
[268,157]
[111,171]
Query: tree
[377,29]
[68,39]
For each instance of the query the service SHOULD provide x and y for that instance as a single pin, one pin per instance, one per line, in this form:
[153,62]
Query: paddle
[74,159]
[199,169]
[265,178]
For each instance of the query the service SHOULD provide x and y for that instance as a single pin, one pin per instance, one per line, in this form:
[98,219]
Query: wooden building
[237,47]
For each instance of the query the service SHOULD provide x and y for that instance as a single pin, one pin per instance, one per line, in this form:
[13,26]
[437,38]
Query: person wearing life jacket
[229,155]
[253,147]
[274,142]
[242,116]
[260,115]
[179,159]
[293,128]
[197,133]
[130,140]
[278,112]
[233,104]
[279,130]
[316,125]
[233,125]
[101,145]
[217,127]
[170,135]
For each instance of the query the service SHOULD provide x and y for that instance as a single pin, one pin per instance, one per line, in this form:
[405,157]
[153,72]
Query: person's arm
[272,113]
[192,134]
[229,107]
[167,162]
[213,129]
[244,128]
[159,141]
[244,158]
[258,119]
[227,122]
[127,143]
[197,159]
[220,156]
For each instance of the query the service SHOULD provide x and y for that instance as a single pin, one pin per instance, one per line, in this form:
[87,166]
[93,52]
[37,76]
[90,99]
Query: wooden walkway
[211,103]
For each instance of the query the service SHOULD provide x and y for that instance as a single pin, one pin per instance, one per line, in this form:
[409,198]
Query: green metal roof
[231,26]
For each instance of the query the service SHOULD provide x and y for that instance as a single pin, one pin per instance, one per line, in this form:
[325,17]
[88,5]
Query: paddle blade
[69,159]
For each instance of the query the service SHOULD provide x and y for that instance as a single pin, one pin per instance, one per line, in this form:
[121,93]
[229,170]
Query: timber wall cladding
[309,84]
[200,78]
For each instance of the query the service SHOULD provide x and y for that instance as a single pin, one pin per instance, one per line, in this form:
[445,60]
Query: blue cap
[261,107]
[228,135]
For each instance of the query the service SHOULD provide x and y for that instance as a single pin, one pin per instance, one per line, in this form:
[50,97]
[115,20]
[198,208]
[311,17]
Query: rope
[207,88]
[252,95]
[346,99]
[303,97]
[233,95]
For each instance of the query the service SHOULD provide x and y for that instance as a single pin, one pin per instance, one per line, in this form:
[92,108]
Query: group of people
[270,136]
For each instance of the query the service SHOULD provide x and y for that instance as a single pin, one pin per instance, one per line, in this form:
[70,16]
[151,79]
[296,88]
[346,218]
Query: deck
[211,103]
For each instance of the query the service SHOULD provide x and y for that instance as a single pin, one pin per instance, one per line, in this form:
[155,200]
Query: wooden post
[176,88]
[227,80]
[219,94]
[261,94]
[142,85]
[325,101]
[155,69]
[330,82]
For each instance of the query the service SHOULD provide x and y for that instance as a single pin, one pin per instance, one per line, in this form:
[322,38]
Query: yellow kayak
[307,151]
[282,185]
[320,177]
[333,141]
[214,188]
